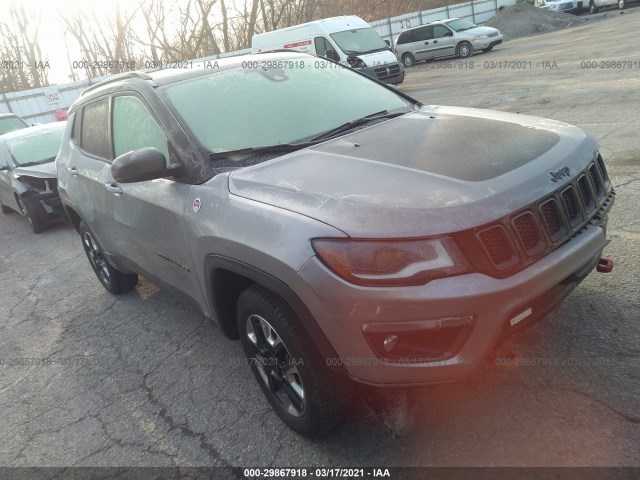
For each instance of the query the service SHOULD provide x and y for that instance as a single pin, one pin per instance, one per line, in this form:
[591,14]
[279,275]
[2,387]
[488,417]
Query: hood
[45,170]
[435,171]
[384,57]
[481,31]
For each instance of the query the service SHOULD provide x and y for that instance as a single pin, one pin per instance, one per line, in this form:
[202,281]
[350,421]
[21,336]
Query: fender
[217,263]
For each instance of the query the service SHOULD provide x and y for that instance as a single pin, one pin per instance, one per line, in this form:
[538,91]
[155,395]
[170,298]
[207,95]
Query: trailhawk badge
[197,204]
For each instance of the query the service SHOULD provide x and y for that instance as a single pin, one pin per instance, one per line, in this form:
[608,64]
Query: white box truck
[348,40]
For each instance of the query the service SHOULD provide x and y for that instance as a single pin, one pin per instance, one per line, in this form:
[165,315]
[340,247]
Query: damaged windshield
[294,100]
[36,148]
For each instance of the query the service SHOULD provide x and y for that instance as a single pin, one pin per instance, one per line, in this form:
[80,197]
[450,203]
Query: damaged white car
[28,180]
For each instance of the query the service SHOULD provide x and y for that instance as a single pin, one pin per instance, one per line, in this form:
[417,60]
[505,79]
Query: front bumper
[485,43]
[341,310]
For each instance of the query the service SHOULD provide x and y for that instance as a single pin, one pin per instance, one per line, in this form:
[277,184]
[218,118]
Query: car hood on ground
[44,170]
[439,170]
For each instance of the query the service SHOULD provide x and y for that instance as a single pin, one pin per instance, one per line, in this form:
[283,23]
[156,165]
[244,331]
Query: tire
[621,4]
[308,397]
[408,60]
[464,50]
[5,210]
[111,279]
[35,222]
[592,8]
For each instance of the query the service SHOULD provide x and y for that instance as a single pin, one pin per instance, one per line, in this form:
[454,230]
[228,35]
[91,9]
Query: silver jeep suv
[269,191]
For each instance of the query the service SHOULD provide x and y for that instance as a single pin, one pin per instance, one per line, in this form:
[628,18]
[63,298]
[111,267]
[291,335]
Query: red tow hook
[605,265]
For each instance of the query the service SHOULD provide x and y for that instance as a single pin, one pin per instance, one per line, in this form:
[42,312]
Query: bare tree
[24,66]
[106,45]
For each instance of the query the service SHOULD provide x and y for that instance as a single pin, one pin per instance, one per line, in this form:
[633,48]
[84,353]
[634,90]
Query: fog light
[390,343]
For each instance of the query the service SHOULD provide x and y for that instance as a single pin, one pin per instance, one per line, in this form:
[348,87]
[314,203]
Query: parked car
[445,38]
[10,122]
[28,183]
[337,227]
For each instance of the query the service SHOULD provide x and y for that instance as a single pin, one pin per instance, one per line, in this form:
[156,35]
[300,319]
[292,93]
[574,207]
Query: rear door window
[422,34]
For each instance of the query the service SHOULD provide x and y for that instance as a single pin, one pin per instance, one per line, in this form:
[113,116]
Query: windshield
[253,107]
[9,124]
[360,41]
[38,148]
[460,25]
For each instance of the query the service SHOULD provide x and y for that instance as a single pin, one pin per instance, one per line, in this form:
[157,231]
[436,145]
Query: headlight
[391,262]
[480,37]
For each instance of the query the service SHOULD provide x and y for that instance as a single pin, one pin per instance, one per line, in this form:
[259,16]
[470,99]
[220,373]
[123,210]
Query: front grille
[553,219]
[597,183]
[585,193]
[388,71]
[497,244]
[492,34]
[561,215]
[526,226]
[570,202]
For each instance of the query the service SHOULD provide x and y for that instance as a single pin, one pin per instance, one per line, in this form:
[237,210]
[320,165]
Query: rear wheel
[36,224]
[408,60]
[113,280]
[308,397]
[465,50]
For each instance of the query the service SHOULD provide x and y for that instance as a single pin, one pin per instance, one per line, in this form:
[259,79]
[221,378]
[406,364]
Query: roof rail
[115,78]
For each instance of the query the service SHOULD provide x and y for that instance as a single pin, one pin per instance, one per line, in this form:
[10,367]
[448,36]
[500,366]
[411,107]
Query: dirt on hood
[524,19]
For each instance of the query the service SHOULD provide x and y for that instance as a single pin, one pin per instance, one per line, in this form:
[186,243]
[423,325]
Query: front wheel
[308,397]
[113,280]
[465,50]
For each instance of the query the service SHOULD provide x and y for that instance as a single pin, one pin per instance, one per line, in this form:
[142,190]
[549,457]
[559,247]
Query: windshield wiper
[39,162]
[356,123]
[278,148]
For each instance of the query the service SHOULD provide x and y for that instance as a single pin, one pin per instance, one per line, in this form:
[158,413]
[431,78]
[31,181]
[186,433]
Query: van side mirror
[332,55]
[140,165]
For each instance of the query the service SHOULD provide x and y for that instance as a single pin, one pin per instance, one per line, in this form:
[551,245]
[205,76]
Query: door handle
[113,188]
[426,43]
[73,171]
[435,41]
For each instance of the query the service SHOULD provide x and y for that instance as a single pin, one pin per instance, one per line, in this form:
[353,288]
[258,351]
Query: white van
[347,39]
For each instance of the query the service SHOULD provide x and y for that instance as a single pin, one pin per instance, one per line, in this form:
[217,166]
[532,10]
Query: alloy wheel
[97,260]
[276,366]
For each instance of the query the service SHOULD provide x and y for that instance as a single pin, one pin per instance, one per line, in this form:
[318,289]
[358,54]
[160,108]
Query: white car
[445,38]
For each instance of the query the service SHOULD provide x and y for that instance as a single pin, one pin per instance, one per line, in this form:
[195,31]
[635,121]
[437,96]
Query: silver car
[444,38]
[337,227]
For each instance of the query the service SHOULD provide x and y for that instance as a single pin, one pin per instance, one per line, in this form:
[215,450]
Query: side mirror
[332,55]
[140,165]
